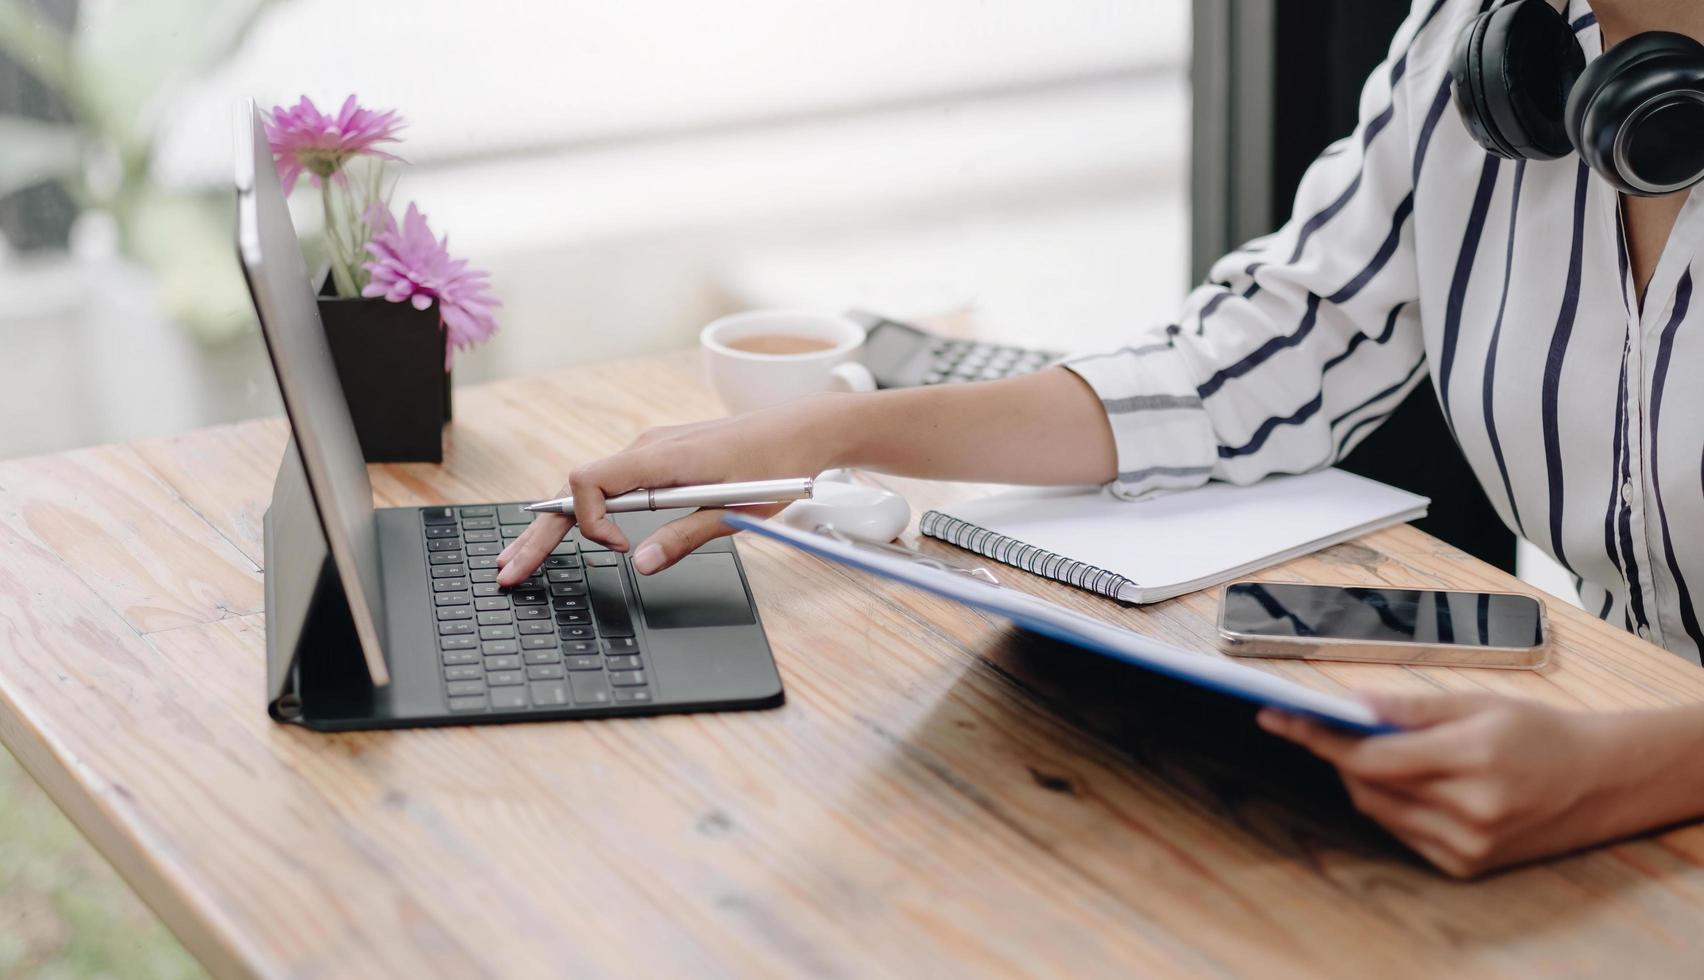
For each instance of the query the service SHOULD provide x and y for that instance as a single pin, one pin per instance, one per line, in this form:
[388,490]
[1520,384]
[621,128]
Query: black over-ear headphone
[1635,115]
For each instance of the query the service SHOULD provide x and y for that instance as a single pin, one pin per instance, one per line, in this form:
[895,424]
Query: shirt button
[1645,633]
[1627,492]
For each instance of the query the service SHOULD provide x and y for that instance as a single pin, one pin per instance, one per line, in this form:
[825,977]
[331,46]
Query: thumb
[1421,710]
[679,537]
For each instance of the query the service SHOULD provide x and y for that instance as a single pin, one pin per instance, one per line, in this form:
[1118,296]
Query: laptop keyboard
[563,638]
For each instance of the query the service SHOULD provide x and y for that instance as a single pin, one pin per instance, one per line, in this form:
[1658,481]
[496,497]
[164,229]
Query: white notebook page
[1189,535]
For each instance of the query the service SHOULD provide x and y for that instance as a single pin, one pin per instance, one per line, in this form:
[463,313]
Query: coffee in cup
[766,357]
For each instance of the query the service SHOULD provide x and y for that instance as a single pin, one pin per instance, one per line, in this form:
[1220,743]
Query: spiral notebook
[1147,550]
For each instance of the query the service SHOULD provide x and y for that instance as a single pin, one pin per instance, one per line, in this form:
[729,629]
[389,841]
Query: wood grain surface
[939,795]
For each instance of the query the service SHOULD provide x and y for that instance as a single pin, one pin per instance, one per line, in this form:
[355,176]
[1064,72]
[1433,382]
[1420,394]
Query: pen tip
[532,508]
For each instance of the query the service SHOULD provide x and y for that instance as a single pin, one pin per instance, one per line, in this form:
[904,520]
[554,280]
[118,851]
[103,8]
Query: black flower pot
[390,359]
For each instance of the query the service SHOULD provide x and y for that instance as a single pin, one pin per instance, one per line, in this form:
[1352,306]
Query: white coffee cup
[747,380]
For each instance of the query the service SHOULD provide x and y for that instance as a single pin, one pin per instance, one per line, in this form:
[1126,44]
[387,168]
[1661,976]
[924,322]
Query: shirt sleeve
[1302,341]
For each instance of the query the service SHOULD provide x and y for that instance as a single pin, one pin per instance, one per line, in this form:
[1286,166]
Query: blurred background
[626,171]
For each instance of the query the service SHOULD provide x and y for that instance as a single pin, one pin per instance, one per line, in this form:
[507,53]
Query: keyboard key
[484,549]
[538,642]
[621,644]
[508,698]
[560,561]
[457,658]
[496,632]
[512,531]
[603,559]
[491,603]
[535,627]
[479,510]
[497,648]
[446,613]
[437,515]
[503,663]
[571,601]
[632,695]
[528,597]
[449,584]
[550,692]
[443,544]
[488,589]
[627,662]
[565,574]
[609,601]
[575,632]
[513,514]
[580,646]
[567,589]
[549,656]
[456,628]
[627,678]
[484,575]
[442,531]
[444,558]
[589,688]
[452,598]
[456,643]
[460,688]
[531,612]
[457,572]
[584,663]
[499,618]
[479,523]
[505,678]
[482,561]
[468,704]
[479,537]
[545,672]
[466,672]
[576,617]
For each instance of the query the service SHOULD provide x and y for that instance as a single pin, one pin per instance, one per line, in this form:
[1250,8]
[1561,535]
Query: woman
[1550,308]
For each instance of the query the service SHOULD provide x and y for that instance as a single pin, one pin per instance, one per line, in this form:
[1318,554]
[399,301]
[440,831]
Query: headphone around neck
[1635,115]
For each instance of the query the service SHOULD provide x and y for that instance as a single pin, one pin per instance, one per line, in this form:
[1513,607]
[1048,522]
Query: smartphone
[1382,625]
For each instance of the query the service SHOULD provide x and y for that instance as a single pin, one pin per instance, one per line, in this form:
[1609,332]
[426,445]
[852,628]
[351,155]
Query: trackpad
[700,590]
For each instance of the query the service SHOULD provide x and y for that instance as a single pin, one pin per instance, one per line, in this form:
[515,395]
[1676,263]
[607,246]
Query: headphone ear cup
[1467,70]
[1531,61]
[1645,96]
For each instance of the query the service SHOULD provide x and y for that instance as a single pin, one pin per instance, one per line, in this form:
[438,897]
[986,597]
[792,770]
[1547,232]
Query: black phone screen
[1480,619]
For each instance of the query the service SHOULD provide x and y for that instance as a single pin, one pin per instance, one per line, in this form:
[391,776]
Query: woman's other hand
[1476,782]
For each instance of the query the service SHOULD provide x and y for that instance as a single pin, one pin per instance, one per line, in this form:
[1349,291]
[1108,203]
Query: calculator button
[513,514]
[460,688]
[545,642]
[498,648]
[457,658]
[545,672]
[628,662]
[456,628]
[493,632]
[508,697]
[479,510]
[632,695]
[441,531]
[502,663]
[535,627]
[589,688]
[505,678]
[437,515]
[449,584]
[450,571]
[466,672]
[452,599]
[550,692]
[627,678]
[456,643]
[468,704]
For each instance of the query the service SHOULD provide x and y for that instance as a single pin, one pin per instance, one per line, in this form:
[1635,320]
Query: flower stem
[340,275]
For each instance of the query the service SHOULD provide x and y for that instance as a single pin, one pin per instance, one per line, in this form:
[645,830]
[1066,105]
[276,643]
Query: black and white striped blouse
[1410,250]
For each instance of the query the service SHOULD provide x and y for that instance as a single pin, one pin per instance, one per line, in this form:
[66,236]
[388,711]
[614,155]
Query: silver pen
[707,495]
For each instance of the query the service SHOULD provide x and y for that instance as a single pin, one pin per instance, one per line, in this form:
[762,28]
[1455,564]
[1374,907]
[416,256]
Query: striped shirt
[1412,250]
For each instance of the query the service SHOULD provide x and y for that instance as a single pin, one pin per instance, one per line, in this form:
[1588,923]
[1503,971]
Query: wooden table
[937,795]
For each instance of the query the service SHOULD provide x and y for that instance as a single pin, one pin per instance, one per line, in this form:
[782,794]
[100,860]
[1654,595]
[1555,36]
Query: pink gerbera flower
[409,264]
[303,138]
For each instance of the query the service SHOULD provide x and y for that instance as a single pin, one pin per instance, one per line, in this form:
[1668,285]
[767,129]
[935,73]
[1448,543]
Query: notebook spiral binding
[1011,551]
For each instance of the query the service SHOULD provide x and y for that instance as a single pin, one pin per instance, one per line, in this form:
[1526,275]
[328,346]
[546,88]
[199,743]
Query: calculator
[900,355]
